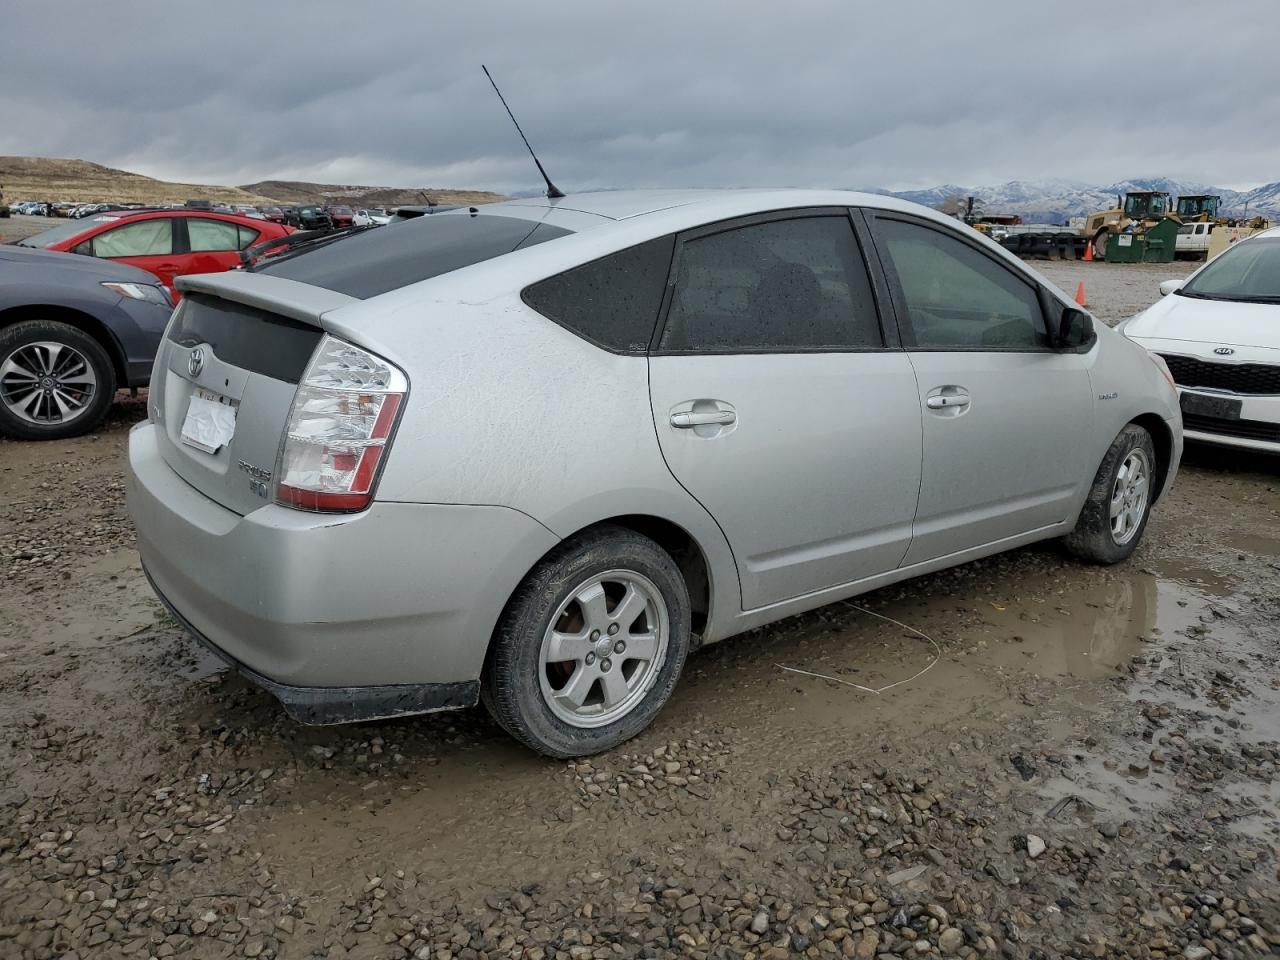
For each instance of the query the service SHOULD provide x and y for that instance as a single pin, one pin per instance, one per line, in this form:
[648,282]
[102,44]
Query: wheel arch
[687,553]
[1162,438]
[85,322]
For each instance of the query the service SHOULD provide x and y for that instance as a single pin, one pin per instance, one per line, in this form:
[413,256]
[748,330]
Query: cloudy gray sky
[898,93]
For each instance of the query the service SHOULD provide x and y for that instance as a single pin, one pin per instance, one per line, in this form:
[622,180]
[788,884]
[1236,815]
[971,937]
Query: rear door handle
[688,418]
[947,400]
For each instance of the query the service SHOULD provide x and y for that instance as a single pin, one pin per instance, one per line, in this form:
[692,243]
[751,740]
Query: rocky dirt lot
[1090,768]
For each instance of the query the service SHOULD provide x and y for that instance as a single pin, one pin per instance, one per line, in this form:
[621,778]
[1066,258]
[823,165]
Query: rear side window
[613,301]
[386,258]
[211,235]
[782,285]
[958,298]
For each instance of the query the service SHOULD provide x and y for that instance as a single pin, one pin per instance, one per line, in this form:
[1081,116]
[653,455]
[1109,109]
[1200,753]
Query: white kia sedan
[1219,333]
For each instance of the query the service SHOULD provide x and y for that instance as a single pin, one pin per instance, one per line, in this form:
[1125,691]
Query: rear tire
[56,381]
[1116,511]
[569,677]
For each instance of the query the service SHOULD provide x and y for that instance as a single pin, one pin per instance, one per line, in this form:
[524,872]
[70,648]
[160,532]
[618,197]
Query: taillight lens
[339,427]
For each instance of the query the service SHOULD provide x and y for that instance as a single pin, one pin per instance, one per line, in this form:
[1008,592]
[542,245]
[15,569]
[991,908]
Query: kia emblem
[195,362]
[1224,351]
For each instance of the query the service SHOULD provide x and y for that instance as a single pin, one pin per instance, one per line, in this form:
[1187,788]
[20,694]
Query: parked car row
[306,216]
[166,243]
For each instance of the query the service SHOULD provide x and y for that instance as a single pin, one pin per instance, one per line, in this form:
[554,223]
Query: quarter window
[613,301]
[782,285]
[958,298]
[143,238]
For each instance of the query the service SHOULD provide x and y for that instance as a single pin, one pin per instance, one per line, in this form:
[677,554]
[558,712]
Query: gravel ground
[1088,770]
[17,226]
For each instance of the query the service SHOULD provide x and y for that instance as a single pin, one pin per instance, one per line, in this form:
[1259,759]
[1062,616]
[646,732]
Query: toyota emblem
[1224,351]
[195,362]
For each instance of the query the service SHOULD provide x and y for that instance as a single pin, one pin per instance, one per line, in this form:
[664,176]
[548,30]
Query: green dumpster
[1155,244]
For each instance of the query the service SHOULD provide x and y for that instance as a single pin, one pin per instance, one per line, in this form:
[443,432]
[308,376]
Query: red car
[342,217]
[168,243]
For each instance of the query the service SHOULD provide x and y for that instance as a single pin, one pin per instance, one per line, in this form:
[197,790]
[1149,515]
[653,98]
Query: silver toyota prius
[533,453]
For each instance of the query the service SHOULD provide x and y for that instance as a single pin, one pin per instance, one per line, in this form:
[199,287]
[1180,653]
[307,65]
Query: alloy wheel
[47,382]
[1129,496]
[604,648]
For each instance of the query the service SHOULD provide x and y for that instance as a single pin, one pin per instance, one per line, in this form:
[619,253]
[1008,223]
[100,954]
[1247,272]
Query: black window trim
[581,335]
[899,301]
[888,330]
[181,237]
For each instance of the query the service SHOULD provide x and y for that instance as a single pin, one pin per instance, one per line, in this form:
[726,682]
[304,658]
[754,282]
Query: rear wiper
[282,248]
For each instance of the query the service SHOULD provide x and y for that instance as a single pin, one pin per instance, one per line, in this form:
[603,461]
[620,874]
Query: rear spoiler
[288,298]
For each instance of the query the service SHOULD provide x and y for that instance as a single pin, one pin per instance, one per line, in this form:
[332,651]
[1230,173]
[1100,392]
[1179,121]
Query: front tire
[1116,511]
[56,381]
[591,645]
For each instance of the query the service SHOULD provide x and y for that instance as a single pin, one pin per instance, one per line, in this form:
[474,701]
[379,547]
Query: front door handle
[947,400]
[688,418]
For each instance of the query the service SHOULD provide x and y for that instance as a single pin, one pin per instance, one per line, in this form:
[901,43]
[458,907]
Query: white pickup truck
[1193,241]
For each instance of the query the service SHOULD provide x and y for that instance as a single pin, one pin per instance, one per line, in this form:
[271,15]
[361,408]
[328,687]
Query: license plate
[211,421]
[1222,408]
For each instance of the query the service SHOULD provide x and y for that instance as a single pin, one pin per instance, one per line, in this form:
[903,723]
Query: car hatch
[223,386]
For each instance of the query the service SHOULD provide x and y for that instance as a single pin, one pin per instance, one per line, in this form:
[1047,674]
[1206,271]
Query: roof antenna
[552,190]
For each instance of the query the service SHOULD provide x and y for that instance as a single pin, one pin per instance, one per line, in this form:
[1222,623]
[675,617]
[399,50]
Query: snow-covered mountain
[1054,201]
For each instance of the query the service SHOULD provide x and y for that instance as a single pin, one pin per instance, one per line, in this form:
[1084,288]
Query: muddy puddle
[971,655]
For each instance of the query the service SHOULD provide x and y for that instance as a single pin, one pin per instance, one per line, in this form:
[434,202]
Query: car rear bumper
[371,607]
[320,706]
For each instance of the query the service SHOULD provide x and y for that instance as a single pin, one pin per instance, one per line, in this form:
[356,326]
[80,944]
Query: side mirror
[1168,286]
[1075,329]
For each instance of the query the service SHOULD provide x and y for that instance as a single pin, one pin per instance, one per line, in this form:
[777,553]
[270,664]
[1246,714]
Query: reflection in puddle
[1095,633]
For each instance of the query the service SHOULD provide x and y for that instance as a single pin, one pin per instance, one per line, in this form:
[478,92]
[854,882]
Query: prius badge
[1224,351]
[195,362]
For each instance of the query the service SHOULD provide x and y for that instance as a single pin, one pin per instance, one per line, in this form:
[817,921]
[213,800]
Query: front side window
[142,238]
[782,285]
[207,236]
[958,298]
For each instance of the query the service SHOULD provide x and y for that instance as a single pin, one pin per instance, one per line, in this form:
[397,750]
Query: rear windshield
[387,258]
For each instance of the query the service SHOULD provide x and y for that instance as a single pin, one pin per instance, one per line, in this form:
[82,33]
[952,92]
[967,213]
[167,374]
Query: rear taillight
[339,426]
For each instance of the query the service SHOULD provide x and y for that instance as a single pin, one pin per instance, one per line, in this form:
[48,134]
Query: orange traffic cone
[1080,293]
[1088,251]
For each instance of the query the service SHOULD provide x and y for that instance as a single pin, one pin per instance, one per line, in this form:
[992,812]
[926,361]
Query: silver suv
[534,453]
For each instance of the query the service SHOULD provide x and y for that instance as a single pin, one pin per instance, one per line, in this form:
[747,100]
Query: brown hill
[50,179]
[295,191]
[46,178]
